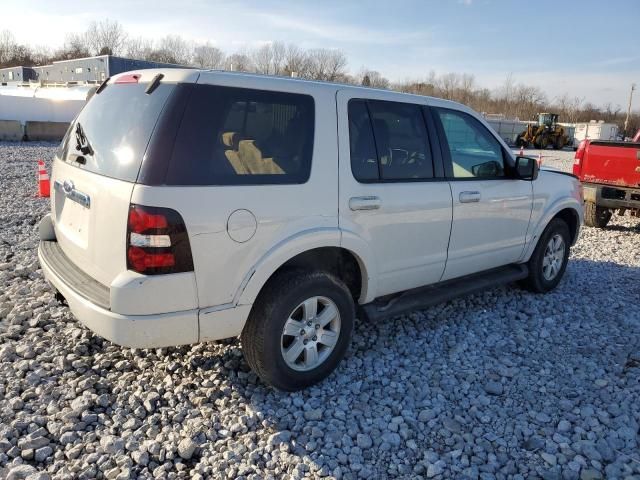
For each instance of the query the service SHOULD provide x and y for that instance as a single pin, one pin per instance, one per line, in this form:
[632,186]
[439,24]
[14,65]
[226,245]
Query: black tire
[262,335]
[536,281]
[544,142]
[558,144]
[595,216]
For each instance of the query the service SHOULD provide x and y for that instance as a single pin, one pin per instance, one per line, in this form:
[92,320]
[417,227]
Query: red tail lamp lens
[577,163]
[140,260]
[157,241]
[141,221]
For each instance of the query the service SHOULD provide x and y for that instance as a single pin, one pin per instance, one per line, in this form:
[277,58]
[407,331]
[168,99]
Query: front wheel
[299,329]
[549,260]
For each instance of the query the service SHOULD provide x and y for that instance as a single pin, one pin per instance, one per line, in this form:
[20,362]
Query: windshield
[113,129]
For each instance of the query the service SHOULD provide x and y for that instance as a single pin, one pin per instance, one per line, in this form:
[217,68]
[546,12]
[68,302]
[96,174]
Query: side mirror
[526,168]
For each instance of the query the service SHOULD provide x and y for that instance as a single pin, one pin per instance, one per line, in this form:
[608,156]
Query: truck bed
[609,163]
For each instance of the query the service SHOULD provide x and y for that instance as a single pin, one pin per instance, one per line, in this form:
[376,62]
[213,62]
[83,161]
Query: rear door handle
[469,197]
[365,203]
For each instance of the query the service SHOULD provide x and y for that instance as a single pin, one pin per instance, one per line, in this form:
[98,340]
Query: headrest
[230,139]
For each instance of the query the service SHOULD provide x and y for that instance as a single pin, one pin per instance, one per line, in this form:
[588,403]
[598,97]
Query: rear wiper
[102,85]
[82,142]
[154,83]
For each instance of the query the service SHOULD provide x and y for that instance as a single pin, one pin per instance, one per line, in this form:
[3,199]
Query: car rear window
[116,124]
[239,136]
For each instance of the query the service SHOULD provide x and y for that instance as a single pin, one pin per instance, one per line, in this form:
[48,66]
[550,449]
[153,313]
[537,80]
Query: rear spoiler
[133,78]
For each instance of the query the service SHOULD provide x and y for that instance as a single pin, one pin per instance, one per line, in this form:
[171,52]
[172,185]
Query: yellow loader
[546,133]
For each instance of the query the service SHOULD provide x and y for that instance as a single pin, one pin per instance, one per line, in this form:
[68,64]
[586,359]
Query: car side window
[364,160]
[238,136]
[388,141]
[475,153]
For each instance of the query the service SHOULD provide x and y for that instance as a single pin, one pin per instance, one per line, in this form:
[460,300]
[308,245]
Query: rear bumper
[611,196]
[136,331]
[93,304]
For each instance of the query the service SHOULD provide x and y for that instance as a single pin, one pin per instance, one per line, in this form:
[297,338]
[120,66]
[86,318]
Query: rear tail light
[577,162]
[157,241]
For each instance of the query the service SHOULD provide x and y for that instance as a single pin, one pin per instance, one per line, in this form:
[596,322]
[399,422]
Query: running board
[423,297]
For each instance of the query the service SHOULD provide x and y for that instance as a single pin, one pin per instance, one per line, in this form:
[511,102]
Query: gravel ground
[504,384]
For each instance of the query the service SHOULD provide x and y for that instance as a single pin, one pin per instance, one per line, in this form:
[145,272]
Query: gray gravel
[504,384]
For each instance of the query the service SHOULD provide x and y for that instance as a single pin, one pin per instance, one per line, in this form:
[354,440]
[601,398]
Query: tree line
[514,100]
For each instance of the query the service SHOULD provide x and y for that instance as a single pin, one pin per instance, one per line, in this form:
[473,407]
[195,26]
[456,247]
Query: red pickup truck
[610,176]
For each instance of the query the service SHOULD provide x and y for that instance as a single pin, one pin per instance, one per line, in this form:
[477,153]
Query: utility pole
[626,122]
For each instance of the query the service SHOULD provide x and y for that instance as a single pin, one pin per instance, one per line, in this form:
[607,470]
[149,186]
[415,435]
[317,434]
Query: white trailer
[595,130]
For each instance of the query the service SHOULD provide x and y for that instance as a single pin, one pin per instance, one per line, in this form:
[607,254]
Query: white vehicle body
[595,131]
[402,235]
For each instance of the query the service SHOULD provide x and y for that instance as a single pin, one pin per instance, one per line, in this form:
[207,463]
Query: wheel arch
[570,211]
[572,218]
[318,249]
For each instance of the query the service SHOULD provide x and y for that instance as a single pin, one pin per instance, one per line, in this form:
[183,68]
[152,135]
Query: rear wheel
[549,260]
[595,216]
[299,329]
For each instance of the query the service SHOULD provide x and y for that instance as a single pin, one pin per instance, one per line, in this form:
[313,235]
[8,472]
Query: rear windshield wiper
[82,144]
[102,85]
[154,83]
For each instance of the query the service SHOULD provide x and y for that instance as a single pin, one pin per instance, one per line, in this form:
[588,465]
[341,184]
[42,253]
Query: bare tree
[575,105]
[337,64]
[327,64]
[75,46]
[263,59]
[208,56]
[467,88]
[41,54]
[448,85]
[505,95]
[138,48]
[279,51]
[296,61]
[371,78]
[106,37]
[239,62]
[173,49]
[7,45]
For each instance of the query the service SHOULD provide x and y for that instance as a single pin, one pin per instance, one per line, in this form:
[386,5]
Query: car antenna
[154,83]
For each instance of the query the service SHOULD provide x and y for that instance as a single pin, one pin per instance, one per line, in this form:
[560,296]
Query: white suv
[197,205]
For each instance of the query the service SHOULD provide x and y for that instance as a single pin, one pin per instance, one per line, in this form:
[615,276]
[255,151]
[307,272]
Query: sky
[583,48]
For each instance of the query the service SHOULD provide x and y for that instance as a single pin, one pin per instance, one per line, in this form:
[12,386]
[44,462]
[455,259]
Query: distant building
[16,74]
[81,70]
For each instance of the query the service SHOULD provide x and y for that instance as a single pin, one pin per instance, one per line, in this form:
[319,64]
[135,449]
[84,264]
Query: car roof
[192,75]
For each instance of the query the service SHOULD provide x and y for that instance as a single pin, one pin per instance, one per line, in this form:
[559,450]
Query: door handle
[365,203]
[469,197]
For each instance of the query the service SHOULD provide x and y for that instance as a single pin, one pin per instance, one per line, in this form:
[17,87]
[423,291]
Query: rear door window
[237,136]
[364,159]
[117,124]
[388,141]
